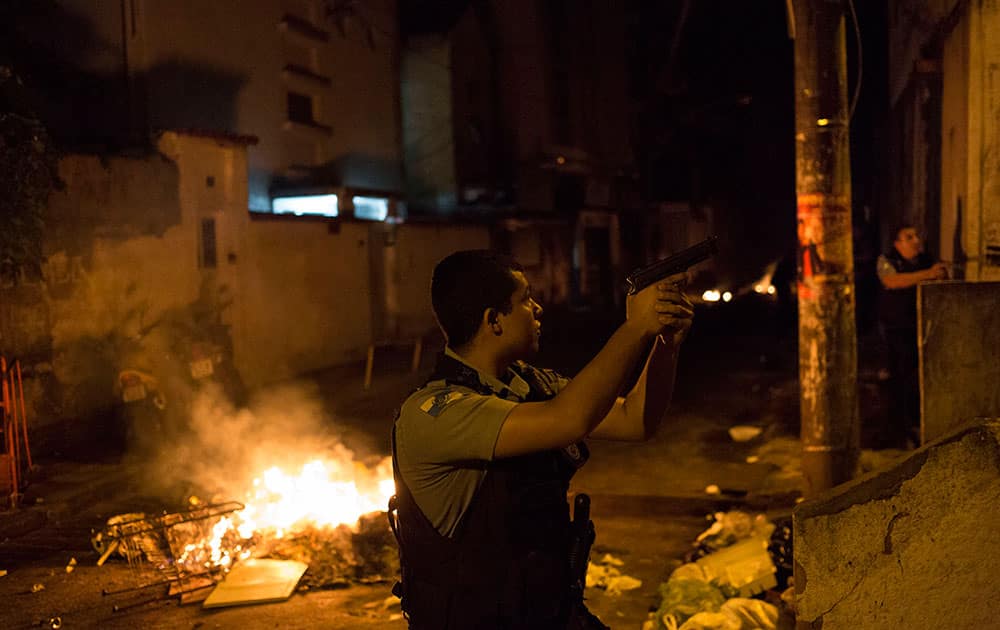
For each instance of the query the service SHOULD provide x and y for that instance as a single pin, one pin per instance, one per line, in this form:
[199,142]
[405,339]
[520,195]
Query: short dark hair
[899,229]
[467,283]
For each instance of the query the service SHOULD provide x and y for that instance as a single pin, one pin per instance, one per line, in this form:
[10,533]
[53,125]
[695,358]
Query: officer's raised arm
[590,398]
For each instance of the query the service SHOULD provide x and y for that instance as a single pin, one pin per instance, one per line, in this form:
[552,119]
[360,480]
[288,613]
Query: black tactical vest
[507,565]
[898,307]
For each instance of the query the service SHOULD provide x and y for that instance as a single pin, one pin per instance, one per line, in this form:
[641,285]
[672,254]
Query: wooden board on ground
[256,581]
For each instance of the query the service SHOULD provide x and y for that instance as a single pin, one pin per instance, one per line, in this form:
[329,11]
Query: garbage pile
[737,577]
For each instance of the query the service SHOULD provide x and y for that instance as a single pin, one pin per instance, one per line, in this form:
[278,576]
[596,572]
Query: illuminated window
[300,108]
[371,208]
[313,205]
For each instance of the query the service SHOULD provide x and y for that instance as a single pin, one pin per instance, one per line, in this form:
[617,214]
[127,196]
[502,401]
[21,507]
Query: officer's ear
[491,319]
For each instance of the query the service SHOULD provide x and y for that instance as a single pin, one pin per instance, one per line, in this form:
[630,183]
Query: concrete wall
[305,298]
[911,546]
[981,230]
[954,142]
[959,369]
[126,252]
[121,253]
[420,247]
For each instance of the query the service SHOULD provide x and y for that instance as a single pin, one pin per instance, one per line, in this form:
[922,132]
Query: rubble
[736,559]
[605,574]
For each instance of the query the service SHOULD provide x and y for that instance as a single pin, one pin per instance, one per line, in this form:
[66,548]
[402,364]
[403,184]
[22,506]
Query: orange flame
[323,493]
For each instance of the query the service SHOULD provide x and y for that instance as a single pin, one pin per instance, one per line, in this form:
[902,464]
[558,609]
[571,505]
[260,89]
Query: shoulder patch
[434,405]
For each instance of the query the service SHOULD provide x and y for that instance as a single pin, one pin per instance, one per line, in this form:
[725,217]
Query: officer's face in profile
[521,327]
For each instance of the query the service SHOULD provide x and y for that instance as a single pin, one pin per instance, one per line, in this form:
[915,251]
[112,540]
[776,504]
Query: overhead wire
[860,62]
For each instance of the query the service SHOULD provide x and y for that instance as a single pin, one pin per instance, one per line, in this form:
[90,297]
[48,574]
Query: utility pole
[826,296]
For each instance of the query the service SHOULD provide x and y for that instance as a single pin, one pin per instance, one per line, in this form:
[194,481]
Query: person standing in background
[900,270]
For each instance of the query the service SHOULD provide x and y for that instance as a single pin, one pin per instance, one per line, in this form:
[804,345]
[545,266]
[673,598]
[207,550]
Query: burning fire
[323,493]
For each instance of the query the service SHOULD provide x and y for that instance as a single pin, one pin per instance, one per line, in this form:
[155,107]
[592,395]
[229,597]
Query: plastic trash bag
[682,598]
[737,613]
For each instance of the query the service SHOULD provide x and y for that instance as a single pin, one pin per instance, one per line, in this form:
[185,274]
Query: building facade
[945,101]
[316,81]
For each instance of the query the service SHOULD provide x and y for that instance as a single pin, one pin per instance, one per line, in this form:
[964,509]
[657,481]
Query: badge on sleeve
[434,405]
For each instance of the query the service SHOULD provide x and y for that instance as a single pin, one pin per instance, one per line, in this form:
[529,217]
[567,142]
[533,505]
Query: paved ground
[649,500]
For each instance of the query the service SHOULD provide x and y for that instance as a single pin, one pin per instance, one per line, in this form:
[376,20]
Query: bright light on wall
[711,295]
[727,296]
[371,208]
[314,205]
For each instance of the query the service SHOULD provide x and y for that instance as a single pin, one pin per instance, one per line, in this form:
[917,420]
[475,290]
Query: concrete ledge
[910,546]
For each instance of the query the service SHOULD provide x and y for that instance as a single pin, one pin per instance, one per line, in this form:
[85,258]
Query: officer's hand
[662,308]
[939,271]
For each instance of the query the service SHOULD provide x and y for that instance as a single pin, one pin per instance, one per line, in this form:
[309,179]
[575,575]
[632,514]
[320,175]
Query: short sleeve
[449,425]
[884,268]
[444,437]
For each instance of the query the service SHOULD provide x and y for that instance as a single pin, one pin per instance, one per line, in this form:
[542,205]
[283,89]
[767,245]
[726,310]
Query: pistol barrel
[681,261]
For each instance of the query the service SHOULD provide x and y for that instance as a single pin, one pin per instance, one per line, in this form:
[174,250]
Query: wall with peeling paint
[910,546]
[124,263]
[127,259]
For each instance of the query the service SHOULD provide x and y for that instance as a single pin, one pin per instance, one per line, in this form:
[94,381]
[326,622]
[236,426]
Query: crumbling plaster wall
[122,247]
[911,546]
[114,261]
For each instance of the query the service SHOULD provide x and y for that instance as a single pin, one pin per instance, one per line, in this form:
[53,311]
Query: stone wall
[911,546]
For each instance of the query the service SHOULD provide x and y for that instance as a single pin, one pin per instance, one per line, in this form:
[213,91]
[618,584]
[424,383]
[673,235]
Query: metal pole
[826,297]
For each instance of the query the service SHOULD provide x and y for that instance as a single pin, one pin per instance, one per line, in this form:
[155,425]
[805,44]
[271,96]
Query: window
[370,208]
[300,205]
[300,108]
[208,254]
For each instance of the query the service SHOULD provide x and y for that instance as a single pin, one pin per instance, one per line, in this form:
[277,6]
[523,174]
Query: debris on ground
[3,572]
[605,574]
[38,587]
[684,597]
[254,581]
[744,433]
[737,613]
[784,453]
[737,561]
[731,527]
[71,565]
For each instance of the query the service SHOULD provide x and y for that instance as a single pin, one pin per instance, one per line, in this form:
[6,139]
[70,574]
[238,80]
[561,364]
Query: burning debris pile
[305,498]
[316,517]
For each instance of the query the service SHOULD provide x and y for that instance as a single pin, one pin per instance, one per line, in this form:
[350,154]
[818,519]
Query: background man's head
[908,242]
[466,284]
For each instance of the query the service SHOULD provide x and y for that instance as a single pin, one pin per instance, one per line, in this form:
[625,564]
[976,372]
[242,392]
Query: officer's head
[474,290]
[907,241]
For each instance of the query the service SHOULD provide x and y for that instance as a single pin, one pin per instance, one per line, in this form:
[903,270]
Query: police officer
[900,270]
[484,451]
